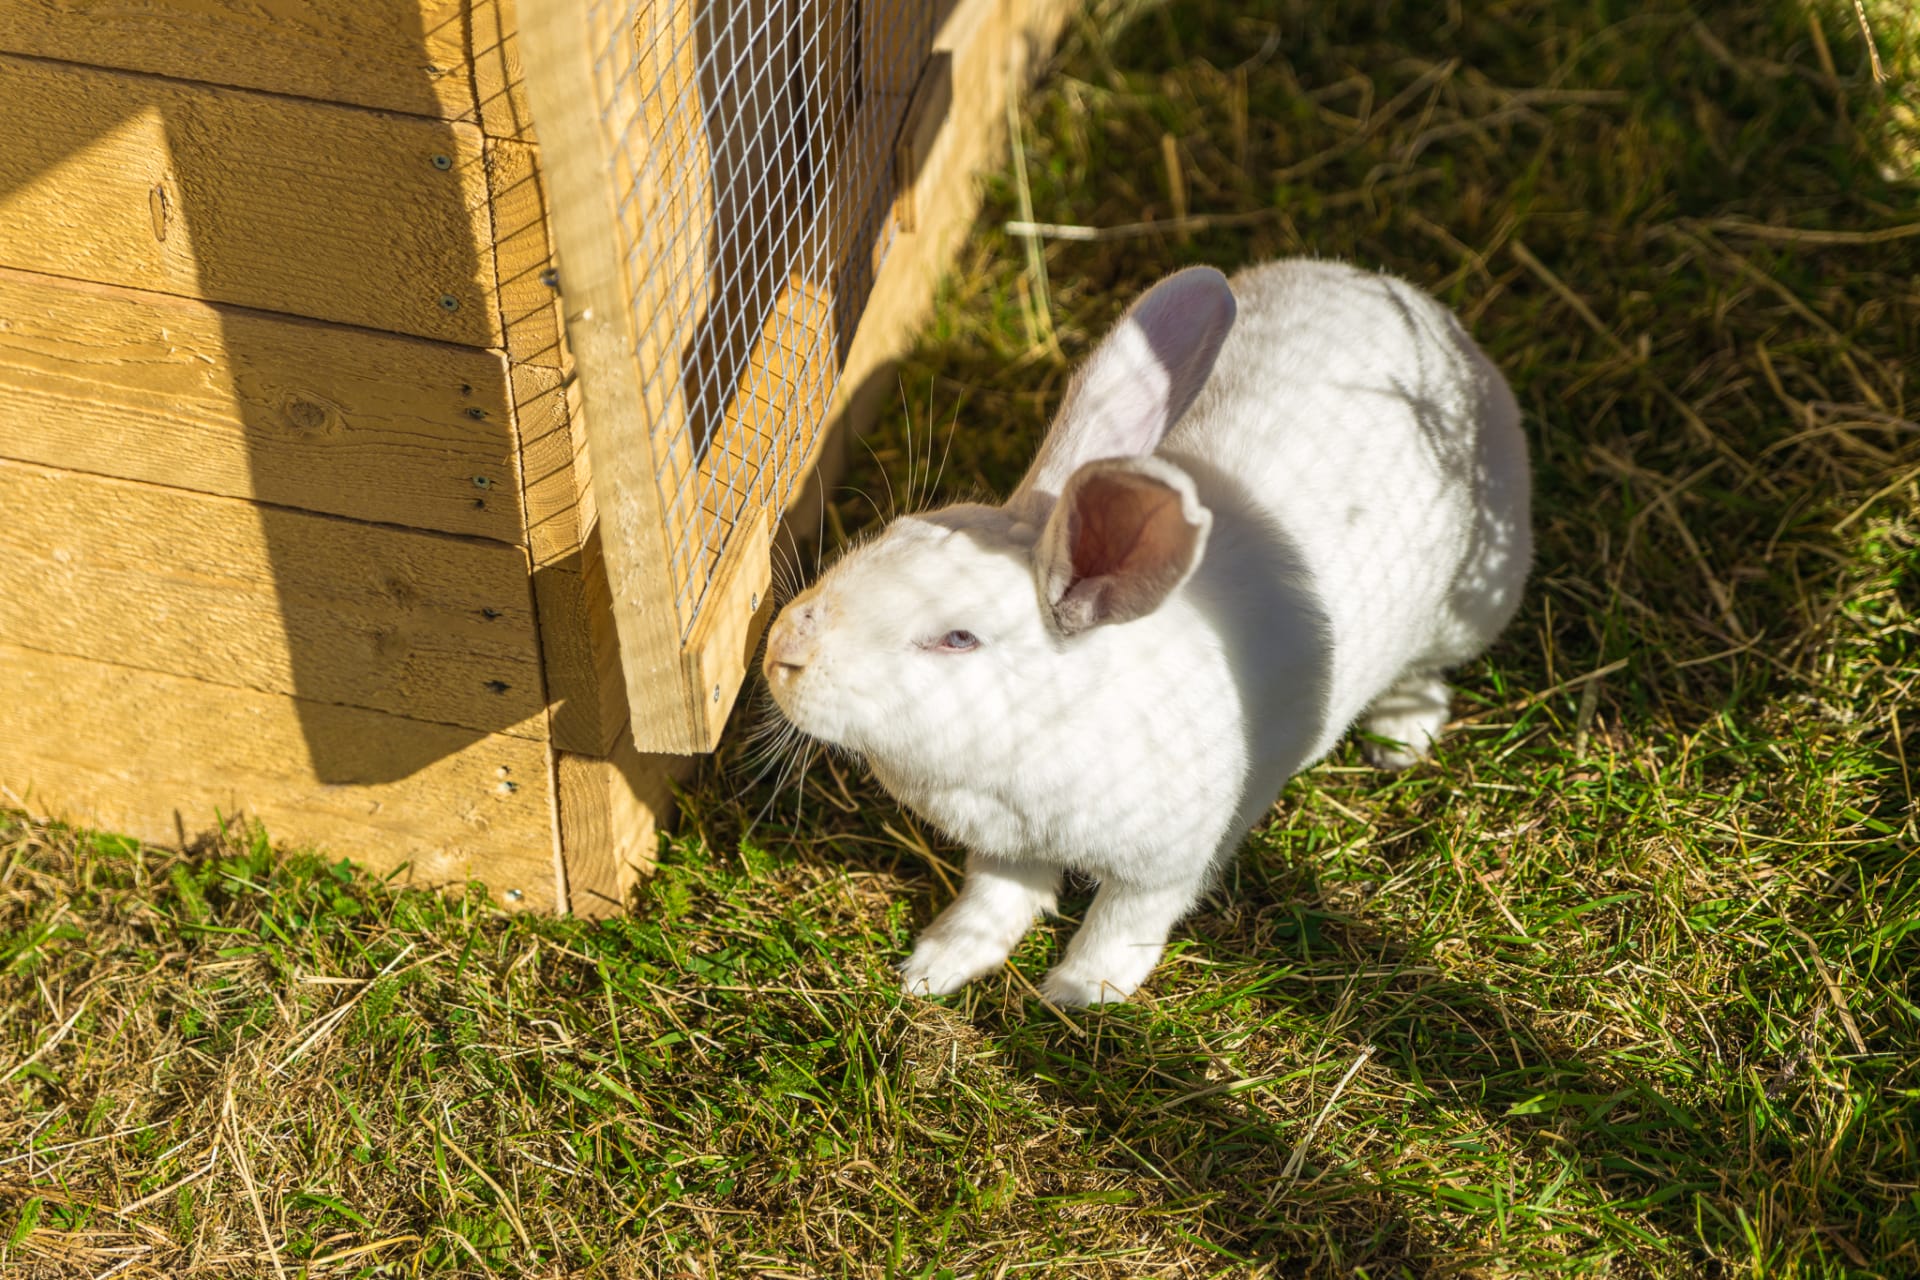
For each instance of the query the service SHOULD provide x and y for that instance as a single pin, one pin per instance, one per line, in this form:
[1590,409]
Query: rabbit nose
[792,639]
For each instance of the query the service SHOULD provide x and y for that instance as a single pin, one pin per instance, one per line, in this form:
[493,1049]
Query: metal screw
[550,278]
[449,303]
[476,413]
[753,601]
[514,895]
[716,695]
[481,482]
[442,162]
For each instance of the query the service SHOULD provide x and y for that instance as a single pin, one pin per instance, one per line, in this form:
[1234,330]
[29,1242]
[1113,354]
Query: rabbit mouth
[786,673]
[792,660]
[783,679]
[794,697]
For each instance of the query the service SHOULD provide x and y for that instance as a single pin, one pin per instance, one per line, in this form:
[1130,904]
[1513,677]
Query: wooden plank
[585,688]
[612,809]
[401,55]
[920,127]
[720,649]
[782,411]
[768,426]
[245,404]
[157,755]
[447,59]
[540,362]
[586,693]
[557,39]
[499,78]
[523,254]
[573,705]
[284,205]
[415,624]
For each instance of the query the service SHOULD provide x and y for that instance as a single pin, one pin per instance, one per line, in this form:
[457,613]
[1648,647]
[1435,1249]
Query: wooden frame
[363,538]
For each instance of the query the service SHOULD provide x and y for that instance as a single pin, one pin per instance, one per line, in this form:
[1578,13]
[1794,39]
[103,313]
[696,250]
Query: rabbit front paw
[1119,943]
[942,964]
[980,929]
[1099,975]
[1072,987]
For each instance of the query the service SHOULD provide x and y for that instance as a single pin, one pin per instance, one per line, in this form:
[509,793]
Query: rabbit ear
[1123,536]
[1139,381]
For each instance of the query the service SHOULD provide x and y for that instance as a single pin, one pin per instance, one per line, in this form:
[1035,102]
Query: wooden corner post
[630,387]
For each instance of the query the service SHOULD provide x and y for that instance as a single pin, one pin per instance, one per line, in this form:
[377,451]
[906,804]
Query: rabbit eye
[957,642]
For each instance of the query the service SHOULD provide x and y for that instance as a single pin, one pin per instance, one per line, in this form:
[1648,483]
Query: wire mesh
[755,174]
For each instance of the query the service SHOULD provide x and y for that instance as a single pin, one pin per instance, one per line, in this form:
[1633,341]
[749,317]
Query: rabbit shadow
[1270,1168]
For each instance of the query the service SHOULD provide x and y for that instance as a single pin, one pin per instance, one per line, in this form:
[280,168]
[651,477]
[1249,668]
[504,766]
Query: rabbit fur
[1267,509]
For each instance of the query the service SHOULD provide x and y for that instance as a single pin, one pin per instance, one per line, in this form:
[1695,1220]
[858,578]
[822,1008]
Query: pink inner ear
[1124,540]
[1125,526]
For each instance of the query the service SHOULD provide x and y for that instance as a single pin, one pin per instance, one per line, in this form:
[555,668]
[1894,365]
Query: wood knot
[311,415]
[400,591]
[160,210]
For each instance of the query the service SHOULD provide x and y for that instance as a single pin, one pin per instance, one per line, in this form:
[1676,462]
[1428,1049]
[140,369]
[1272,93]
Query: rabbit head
[925,649]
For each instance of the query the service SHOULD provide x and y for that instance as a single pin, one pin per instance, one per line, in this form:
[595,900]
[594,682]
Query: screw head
[482,482]
[449,303]
[753,601]
[514,895]
[550,278]
[442,162]
[716,695]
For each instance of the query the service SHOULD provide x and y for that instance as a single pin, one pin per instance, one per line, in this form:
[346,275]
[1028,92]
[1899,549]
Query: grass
[1618,986]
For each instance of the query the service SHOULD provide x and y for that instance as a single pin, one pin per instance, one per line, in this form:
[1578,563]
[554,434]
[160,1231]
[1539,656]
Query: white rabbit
[1238,539]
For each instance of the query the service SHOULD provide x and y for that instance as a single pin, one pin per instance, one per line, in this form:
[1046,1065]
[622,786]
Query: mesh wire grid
[755,173]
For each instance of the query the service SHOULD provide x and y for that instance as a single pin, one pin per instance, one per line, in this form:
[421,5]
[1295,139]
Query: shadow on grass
[1398,1055]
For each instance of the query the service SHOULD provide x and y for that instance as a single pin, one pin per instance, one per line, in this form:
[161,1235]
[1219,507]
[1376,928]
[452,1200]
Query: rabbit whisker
[953,424]
[906,405]
[862,493]
[893,507]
